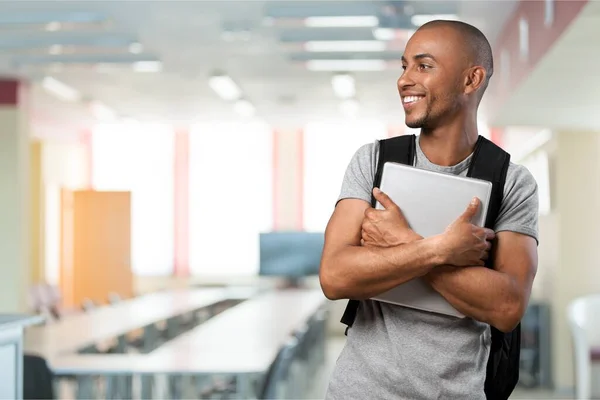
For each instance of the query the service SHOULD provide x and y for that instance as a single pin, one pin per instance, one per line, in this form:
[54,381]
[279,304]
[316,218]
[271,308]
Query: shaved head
[478,48]
[446,66]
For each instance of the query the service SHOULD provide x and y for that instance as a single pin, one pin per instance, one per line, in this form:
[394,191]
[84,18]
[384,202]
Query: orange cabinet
[95,246]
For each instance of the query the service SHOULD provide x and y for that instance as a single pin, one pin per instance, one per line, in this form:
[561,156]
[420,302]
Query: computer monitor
[290,254]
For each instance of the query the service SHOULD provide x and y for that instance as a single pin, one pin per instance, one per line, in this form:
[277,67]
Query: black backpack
[489,163]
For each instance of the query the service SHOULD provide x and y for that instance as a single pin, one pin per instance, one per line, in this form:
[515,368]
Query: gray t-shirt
[394,352]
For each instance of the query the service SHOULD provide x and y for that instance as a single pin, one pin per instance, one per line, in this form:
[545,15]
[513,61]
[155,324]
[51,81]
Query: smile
[408,100]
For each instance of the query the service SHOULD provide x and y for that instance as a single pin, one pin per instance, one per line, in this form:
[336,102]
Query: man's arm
[349,270]
[498,297]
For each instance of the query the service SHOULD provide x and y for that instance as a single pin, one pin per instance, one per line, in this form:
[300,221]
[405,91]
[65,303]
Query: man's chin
[414,124]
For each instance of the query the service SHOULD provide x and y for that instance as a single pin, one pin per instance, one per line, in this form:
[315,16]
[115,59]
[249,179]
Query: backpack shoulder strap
[400,149]
[490,163]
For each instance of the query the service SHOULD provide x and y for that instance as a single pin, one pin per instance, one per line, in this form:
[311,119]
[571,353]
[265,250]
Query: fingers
[471,210]
[366,227]
[384,199]
[489,234]
[370,214]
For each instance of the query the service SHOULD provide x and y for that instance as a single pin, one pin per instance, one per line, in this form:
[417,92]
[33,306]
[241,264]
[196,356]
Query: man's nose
[405,80]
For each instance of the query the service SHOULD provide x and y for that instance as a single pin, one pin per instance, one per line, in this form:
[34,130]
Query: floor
[335,345]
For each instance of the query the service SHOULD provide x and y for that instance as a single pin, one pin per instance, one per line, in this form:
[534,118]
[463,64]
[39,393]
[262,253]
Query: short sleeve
[520,207]
[358,179]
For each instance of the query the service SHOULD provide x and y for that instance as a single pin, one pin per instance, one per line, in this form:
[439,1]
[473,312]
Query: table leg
[150,338]
[147,386]
[85,387]
[244,387]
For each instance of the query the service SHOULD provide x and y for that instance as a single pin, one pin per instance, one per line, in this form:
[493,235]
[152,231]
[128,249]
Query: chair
[114,298]
[585,331]
[37,378]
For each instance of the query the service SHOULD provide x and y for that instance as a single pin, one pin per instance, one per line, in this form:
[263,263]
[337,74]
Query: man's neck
[451,144]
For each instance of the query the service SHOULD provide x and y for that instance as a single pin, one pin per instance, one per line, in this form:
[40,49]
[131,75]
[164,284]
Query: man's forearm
[480,293]
[361,272]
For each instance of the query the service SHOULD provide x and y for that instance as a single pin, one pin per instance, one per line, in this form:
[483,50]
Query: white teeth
[412,99]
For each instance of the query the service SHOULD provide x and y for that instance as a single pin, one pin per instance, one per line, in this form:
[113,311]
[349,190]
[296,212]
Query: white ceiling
[187,36]
[563,91]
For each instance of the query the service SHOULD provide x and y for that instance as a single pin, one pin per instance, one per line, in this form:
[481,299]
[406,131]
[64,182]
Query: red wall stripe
[9,92]
[395,130]
[181,203]
[497,136]
[541,39]
[300,181]
[275,178]
[86,140]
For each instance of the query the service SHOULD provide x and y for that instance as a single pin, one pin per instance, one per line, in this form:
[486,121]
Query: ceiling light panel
[225,87]
[345,46]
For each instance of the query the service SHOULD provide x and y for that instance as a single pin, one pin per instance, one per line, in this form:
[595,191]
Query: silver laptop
[430,201]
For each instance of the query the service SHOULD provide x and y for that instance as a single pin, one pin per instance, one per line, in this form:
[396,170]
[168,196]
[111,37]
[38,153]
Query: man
[395,352]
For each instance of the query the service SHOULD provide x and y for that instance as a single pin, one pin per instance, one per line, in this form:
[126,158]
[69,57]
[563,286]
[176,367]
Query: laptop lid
[430,201]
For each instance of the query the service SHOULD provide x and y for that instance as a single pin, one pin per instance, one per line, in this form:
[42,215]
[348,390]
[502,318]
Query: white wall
[64,165]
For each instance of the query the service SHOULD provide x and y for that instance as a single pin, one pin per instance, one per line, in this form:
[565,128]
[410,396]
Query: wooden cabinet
[95,246]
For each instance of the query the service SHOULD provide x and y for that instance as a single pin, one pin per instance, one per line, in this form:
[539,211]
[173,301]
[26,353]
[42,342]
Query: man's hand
[387,227]
[464,244]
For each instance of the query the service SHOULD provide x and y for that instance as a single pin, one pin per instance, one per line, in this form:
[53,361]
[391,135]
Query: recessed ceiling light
[343,86]
[60,89]
[421,19]
[55,49]
[147,66]
[53,26]
[136,48]
[225,87]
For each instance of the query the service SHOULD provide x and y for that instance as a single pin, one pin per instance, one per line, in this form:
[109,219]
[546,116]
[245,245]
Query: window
[139,158]
[230,197]
[328,149]
[64,166]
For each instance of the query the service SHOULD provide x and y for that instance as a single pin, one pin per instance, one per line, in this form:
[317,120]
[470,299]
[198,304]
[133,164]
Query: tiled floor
[335,345]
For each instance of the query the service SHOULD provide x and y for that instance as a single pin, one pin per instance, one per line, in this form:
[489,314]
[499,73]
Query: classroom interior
[168,169]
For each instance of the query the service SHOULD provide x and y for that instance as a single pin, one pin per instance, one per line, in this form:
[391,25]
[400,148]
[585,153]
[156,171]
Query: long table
[71,334]
[242,342]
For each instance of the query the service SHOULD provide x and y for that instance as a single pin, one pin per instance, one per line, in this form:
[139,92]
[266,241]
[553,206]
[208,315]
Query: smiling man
[393,352]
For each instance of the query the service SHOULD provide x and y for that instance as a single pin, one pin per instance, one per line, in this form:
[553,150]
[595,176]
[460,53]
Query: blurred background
[168,169]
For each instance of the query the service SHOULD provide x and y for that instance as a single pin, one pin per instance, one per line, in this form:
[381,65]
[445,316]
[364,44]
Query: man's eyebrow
[420,57]
[424,55]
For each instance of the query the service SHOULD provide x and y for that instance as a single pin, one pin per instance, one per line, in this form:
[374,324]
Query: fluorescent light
[147,66]
[53,26]
[346,65]
[60,90]
[136,48]
[55,49]
[225,87]
[384,34]
[343,86]
[349,108]
[244,108]
[102,112]
[339,22]
[344,45]
[421,19]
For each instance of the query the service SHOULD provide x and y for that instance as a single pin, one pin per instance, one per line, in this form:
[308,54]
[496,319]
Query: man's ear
[475,79]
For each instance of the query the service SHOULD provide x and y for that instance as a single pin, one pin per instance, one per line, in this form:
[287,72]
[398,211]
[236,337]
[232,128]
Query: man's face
[431,85]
